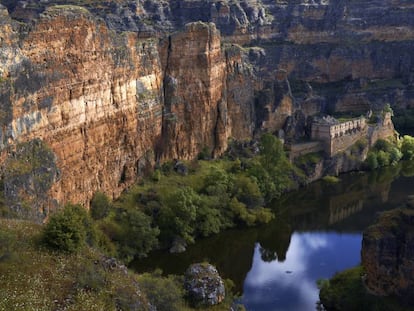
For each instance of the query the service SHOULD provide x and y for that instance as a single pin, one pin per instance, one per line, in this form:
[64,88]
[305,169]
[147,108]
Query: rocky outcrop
[204,285]
[387,255]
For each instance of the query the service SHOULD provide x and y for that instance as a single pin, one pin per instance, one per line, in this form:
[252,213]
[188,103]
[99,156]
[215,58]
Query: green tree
[208,219]
[70,229]
[248,192]
[100,206]
[372,160]
[178,215]
[165,293]
[135,235]
[407,147]
[271,151]
[218,182]
[383,158]
[395,156]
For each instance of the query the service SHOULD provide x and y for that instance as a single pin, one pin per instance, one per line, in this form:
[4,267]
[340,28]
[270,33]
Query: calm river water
[317,232]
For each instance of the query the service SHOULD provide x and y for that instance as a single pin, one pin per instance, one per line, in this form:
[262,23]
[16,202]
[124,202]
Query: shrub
[407,147]
[69,230]
[204,154]
[91,278]
[165,293]
[100,206]
[331,179]
[7,244]
[383,158]
[135,235]
[156,176]
[372,160]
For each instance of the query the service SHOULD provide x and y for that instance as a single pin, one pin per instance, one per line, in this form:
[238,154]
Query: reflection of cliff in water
[322,206]
[349,206]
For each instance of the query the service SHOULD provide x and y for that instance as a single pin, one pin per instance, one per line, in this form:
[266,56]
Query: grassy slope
[35,278]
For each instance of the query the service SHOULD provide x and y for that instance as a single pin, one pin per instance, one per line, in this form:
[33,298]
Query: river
[316,233]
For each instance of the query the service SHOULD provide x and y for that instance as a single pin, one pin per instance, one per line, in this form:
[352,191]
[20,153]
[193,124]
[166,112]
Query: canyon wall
[110,105]
[92,96]
[113,87]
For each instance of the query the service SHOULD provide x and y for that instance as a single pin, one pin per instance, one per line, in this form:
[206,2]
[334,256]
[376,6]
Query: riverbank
[32,277]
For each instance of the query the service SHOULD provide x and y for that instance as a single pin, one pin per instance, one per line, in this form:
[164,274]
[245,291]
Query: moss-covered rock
[28,173]
[204,285]
[388,255]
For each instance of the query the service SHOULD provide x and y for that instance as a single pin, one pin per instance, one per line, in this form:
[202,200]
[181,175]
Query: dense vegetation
[178,204]
[33,277]
[389,152]
[346,291]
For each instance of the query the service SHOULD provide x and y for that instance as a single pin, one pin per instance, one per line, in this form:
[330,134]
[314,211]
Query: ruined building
[338,136]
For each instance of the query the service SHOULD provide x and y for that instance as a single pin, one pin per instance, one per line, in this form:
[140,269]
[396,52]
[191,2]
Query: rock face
[115,86]
[388,255]
[194,93]
[111,104]
[204,285]
[93,97]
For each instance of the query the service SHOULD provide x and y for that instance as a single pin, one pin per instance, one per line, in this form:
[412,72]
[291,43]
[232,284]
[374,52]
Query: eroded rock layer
[112,87]
[92,95]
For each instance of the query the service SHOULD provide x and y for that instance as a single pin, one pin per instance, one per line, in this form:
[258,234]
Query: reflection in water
[291,284]
[316,233]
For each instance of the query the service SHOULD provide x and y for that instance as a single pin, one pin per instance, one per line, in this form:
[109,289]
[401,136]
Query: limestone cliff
[92,95]
[387,255]
[112,87]
[194,93]
[110,104]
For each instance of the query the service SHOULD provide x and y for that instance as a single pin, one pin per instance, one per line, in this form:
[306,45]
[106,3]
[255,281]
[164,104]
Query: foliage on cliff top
[346,291]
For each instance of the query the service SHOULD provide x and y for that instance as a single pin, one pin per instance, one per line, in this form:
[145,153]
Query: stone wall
[382,130]
[338,136]
[296,150]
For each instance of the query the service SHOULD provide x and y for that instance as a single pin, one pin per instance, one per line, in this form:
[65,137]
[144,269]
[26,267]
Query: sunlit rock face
[194,91]
[119,85]
[93,96]
[109,105]
[388,255]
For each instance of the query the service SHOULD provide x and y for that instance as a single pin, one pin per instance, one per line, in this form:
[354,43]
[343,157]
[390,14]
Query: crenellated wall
[339,136]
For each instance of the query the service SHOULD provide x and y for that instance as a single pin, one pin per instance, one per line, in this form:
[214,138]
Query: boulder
[204,285]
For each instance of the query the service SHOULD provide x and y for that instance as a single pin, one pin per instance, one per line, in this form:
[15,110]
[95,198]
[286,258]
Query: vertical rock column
[194,92]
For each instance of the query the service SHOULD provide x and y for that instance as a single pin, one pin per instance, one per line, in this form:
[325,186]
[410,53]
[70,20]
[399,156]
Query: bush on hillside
[100,206]
[134,234]
[69,230]
[165,293]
